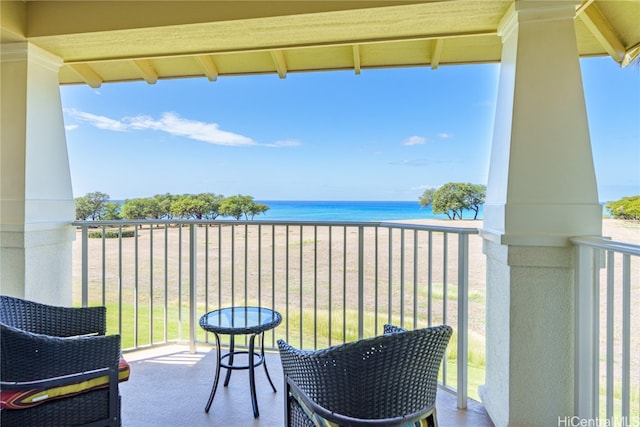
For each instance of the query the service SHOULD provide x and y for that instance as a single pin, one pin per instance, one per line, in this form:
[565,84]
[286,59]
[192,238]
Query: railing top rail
[430,227]
[388,224]
[607,244]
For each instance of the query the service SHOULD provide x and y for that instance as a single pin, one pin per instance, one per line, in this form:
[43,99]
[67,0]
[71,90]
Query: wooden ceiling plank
[280,63]
[585,4]
[208,67]
[632,54]
[146,70]
[284,48]
[356,58]
[436,53]
[602,30]
[87,74]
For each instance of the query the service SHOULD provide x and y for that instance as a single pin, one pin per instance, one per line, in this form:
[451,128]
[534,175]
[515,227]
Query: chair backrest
[52,320]
[382,377]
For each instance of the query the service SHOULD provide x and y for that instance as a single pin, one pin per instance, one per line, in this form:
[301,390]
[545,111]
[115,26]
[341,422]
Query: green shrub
[625,208]
[111,233]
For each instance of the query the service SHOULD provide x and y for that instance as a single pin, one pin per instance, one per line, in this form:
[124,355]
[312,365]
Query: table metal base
[253,359]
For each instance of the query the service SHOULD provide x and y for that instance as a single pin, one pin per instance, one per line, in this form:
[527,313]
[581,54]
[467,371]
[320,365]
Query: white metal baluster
[626,336]
[463,318]
[193,277]
[610,334]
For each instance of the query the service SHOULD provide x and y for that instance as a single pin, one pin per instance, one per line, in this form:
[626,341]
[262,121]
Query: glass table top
[240,320]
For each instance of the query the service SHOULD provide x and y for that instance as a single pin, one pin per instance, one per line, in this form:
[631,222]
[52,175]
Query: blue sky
[381,135]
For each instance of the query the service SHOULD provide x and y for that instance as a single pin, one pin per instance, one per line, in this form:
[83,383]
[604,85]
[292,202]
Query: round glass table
[232,321]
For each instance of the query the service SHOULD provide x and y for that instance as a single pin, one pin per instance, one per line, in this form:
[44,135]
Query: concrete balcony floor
[169,386]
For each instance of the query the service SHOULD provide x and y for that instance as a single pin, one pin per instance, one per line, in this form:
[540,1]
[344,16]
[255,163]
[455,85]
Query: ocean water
[360,211]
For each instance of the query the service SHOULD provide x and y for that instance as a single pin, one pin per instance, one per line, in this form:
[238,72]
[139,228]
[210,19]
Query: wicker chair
[389,380]
[57,366]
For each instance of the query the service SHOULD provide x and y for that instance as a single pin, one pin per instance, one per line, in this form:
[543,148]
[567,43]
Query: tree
[213,202]
[162,206]
[188,206]
[453,198]
[136,208]
[449,199]
[83,209]
[91,206]
[625,208]
[427,197]
[237,206]
[234,206]
[196,206]
[112,211]
[257,209]
[475,196]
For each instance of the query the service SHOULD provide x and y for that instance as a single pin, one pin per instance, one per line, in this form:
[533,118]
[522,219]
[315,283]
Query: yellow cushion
[21,399]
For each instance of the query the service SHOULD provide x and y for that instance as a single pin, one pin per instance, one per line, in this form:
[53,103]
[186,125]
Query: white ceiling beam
[280,63]
[146,70]
[436,53]
[356,58]
[602,31]
[87,74]
[208,67]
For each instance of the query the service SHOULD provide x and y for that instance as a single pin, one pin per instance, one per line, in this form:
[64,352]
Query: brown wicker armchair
[389,380]
[57,367]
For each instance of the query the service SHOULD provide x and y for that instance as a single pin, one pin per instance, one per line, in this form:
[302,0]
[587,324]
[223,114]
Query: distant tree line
[97,206]
[454,198]
[625,208]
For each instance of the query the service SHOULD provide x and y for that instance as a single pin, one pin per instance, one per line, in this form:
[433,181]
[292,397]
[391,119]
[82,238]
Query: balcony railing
[339,281]
[333,282]
[607,335]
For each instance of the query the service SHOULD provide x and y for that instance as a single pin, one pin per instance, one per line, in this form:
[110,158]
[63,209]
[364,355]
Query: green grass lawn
[177,328]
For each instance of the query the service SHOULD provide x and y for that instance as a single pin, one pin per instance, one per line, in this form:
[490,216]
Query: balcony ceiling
[112,41]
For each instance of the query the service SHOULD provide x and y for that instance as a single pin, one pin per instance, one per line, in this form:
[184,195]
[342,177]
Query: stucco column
[36,197]
[541,191]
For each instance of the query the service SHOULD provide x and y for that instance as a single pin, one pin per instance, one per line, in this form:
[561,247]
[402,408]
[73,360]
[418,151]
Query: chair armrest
[27,394]
[312,408]
[58,381]
[28,357]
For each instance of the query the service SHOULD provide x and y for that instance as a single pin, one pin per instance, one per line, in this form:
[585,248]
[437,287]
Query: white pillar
[541,191]
[36,197]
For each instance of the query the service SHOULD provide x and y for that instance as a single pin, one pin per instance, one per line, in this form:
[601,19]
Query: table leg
[264,362]
[252,378]
[217,377]
[231,351]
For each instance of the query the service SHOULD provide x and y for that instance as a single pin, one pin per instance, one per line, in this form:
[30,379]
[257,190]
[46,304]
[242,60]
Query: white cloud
[71,127]
[414,140]
[101,122]
[445,135]
[410,162]
[173,124]
[285,143]
[424,187]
